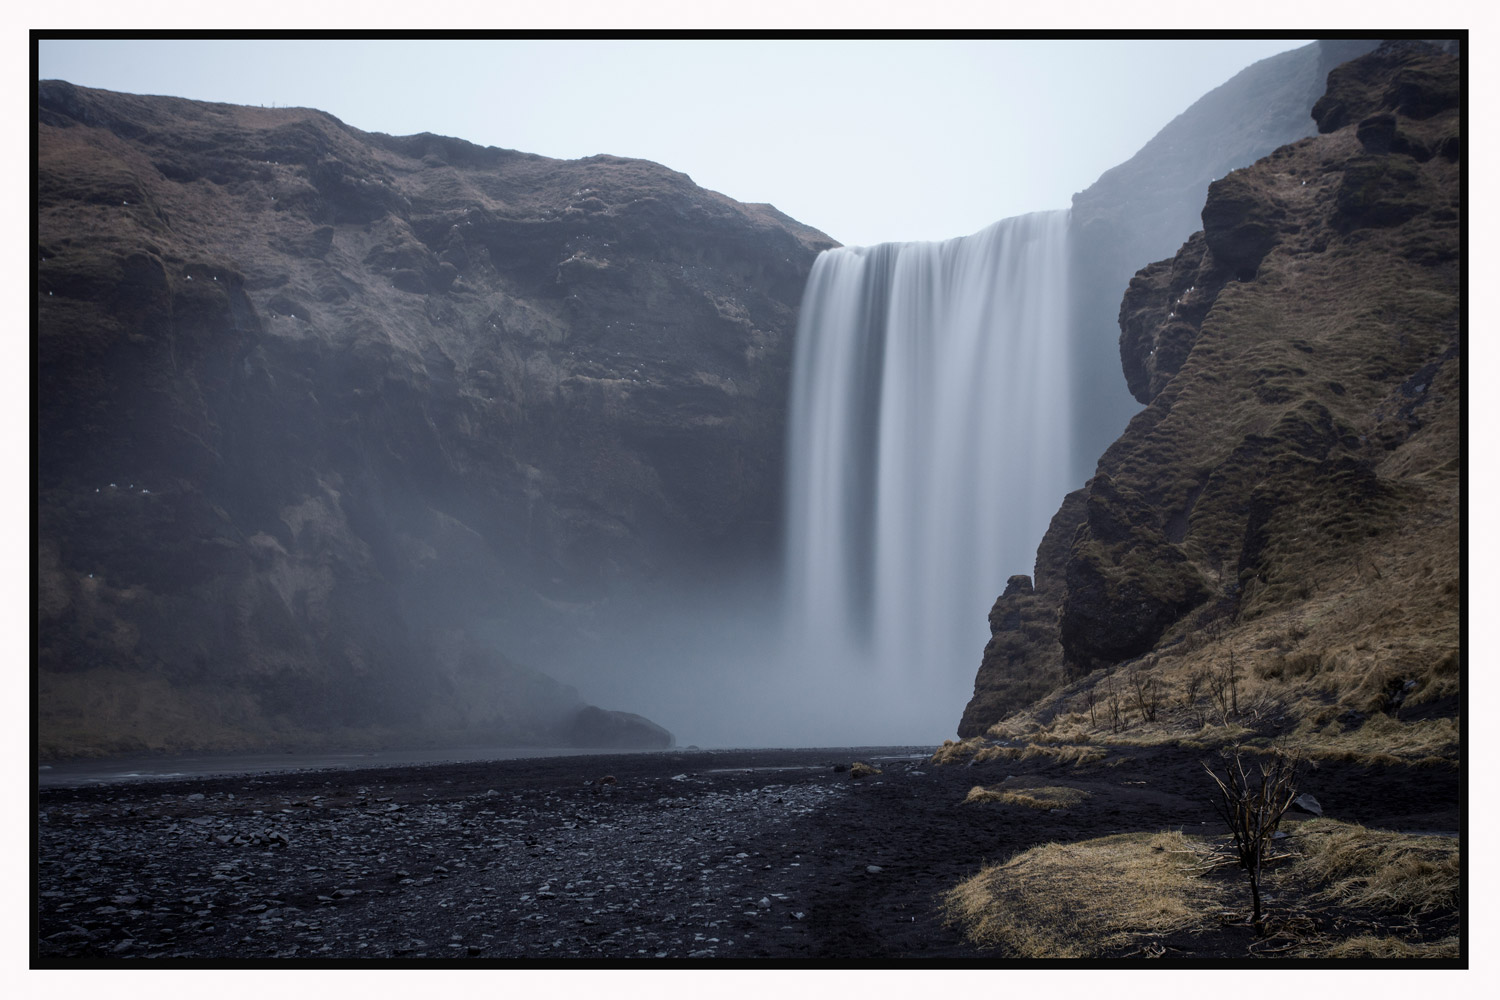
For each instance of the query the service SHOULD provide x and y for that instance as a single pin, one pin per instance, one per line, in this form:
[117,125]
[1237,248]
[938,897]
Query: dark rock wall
[1300,364]
[343,424]
[1143,209]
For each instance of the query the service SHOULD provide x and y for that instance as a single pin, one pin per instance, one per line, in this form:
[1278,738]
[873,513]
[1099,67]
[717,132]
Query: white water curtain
[929,436]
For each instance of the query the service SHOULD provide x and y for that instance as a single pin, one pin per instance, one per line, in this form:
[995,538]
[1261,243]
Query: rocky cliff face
[334,425]
[1144,208]
[1288,501]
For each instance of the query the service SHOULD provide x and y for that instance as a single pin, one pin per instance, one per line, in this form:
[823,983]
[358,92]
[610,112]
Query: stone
[1308,804]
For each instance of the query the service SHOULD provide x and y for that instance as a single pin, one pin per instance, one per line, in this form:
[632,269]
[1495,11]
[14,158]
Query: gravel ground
[740,855]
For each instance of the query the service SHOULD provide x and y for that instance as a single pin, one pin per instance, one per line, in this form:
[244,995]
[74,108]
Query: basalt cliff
[1276,535]
[335,429]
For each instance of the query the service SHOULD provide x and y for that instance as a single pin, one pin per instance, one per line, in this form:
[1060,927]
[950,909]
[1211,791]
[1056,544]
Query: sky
[869,140]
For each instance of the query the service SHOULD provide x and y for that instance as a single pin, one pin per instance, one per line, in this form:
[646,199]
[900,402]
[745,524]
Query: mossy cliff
[1291,492]
[335,427]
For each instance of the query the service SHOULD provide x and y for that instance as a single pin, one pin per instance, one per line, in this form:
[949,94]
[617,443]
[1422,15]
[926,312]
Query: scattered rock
[1308,804]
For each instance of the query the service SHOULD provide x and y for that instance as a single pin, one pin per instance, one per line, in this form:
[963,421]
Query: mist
[716,664]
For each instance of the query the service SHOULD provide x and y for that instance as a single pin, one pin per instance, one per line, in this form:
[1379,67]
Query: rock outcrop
[1024,658]
[335,428]
[597,727]
[1290,493]
[1144,208]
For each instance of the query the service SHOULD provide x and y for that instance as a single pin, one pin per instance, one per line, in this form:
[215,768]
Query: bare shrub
[1224,686]
[1190,696]
[1252,809]
[1112,703]
[1091,699]
[1147,693]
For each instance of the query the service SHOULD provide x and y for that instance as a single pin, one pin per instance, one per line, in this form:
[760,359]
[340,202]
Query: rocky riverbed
[739,855]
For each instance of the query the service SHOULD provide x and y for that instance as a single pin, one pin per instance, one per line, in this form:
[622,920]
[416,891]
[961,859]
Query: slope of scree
[332,424]
[1286,509]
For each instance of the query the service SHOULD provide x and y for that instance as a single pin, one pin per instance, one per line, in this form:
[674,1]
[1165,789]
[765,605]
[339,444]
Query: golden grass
[1380,740]
[1081,900]
[1045,797]
[1377,869]
[1377,946]
[1061,754]
[955,752]
[979,751]
[1104,896]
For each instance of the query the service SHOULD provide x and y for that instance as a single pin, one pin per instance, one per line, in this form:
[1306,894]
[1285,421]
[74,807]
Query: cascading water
[929,440]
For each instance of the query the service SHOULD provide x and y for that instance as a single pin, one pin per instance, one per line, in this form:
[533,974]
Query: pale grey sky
[868,140]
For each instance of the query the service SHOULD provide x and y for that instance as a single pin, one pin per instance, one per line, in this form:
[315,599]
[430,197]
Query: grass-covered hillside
[1274,541]
[1264,571]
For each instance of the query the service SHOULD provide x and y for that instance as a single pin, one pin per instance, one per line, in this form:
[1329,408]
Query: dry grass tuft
[1377,869]
[1373,946]
[1381,740]
[1045,797]
[979,750]
[1079,900]
[955,752]
[1110,895]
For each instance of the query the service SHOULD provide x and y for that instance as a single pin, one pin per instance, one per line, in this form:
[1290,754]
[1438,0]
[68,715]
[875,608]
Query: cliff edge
[338,429]
[1282,520]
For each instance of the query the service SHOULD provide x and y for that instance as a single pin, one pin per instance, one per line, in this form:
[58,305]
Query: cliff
[1285,512]
[1144,208]
[334,428]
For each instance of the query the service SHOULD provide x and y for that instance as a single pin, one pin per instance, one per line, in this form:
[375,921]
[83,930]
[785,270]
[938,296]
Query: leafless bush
[1224,686]
[1190,695]
[1091,700]
[1252,809]
[1147,693]
[1112,702]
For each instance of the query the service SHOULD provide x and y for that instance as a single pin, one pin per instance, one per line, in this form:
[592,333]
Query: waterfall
[928,449]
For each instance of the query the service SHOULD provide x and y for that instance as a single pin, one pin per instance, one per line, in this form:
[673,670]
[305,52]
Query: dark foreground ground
[751,856]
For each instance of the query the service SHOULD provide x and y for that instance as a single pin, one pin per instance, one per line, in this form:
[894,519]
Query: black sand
[750,856]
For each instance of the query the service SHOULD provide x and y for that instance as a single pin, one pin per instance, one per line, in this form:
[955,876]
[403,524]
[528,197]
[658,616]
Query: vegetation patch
[1087,899]
[1045,797]
[1376,869]
[980,751]
[1381,739]
[1334,890]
